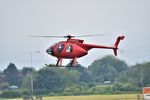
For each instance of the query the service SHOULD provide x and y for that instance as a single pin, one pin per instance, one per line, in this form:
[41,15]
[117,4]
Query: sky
[22,18]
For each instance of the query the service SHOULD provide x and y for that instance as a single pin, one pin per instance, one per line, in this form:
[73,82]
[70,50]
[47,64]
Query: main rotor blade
[92,35]
[70,36]
[49,36]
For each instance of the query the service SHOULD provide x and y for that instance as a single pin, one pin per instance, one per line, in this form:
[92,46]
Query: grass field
[90,97]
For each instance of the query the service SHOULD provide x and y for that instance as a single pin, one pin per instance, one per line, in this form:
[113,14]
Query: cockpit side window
[60,48]
[69,49]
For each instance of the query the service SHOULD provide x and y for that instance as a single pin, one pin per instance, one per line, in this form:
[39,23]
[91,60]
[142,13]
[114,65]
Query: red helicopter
[75,48]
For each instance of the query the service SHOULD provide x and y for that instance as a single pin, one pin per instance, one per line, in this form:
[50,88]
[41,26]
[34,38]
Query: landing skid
[73,62]
[53,65]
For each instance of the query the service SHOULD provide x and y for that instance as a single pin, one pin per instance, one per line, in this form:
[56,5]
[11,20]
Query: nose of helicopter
[50,51]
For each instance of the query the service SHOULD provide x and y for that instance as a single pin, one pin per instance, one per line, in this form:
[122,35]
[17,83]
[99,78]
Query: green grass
[94,97]
[12,99]
[90,97]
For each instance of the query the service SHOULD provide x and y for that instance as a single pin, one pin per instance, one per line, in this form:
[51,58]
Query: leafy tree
[26,82]
[26,70]
[11,69]
[107,69]
[48,79]
[137,75]
[83,76]
[11,94]
[12,75]
[74,76]
[4,86]
[117,86]
[74,90]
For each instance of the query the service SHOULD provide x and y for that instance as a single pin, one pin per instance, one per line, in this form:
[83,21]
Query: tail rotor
[117,43]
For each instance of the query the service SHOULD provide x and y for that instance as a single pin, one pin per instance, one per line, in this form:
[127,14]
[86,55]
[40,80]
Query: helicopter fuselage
[69,49]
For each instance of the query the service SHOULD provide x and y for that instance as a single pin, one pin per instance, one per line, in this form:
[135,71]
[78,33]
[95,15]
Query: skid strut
[59,62]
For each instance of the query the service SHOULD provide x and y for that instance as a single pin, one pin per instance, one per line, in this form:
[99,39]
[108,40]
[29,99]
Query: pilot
[68,50]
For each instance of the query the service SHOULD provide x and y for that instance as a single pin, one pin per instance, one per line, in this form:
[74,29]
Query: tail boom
[115,47]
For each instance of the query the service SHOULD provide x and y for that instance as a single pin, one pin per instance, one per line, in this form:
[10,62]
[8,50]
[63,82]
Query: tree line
[105,75]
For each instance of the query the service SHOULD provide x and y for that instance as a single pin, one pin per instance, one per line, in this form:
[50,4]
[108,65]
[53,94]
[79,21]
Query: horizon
[78,63]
